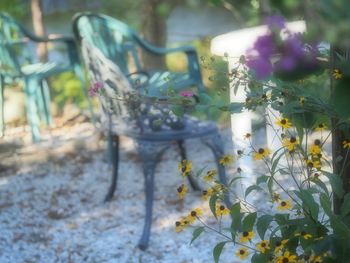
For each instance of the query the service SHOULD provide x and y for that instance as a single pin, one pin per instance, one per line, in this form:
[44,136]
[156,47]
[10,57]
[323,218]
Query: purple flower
[93,90]
[265,45]
[287,63]
[186,93]
[275,21]
[261,66]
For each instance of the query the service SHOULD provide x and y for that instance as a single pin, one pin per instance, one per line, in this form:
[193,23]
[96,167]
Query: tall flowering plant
[295,183]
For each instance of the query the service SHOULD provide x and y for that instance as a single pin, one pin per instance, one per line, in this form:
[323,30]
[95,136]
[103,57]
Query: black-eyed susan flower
[304,235]
[263,245]
[181,191]
[194,214]
[261,153]
[246,236]
[209,177]
[284,205]
[247,136]
[207,193]
[226,159]
[337,74]
[180,225]
[346,144]
[221,210]
[242,253]
[315,149]
[287,257]
[279,245]
[313,164]
[283,123]
[185,167]
[290,143]
[321,127]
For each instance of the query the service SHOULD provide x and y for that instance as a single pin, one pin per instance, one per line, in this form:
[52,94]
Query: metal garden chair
[17,62]
[124,113]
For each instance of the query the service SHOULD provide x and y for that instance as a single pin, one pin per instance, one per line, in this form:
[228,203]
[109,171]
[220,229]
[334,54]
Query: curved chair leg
[2,102]
[216,145]
[113,151]
[149,153]
[31,87]
[183,155]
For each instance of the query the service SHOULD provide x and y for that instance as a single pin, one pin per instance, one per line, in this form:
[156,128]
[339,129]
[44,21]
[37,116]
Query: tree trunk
[39,28]
[338,136]
[154,30]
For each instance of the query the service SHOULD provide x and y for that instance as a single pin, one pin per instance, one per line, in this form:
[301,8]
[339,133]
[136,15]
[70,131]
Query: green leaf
[276,160]
[322,185]
[178,110]
[336,183]
[308,202]
[236,217]
[259,258]
[204,98]
[345,207]
[262,179]
[263,224]
[234,179]
[326,204]
[235,107]
[212,204]
[196,233]
[248,222]
[251,188]
[217,251]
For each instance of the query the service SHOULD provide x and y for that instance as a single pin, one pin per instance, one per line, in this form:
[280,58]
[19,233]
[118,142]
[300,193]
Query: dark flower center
[317,142]
[177,223]
[285,260]
[283,203]
[293,139]
[205,192]
[245,234]
[193,213]
[241,252]
[283,121]
[303,233]
[278,243]
[261,150]
[263,244]
[320,125]
[222,207]
[310,164]
[179,190]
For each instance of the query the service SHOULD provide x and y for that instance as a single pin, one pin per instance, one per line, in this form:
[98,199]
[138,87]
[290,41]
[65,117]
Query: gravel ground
[52,210]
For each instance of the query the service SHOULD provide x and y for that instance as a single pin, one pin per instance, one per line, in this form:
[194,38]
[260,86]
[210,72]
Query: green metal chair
[17,62]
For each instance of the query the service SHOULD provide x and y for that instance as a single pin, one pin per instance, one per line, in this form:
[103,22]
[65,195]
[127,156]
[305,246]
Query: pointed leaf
[248,222]
[236,217]
[212,204]
[345,207]
[217,251]
[251,188]
[263,224]
[336,183]
[196,233]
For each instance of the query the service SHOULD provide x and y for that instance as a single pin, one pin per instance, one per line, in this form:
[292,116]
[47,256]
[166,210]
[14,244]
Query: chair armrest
[192,59]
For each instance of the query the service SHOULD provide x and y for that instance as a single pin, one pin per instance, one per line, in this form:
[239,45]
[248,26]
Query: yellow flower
[290,143]
[304,235]
[210,175]
[263,245]
[261,153]
[242,253]
[226,159]
[280,244]
[284,123]
[287,257]
[313,164]
[315,259]
[246,236]
[207,193]
[221,210]
[337,74]
[283,205]
[346,144]
[180,225]
[181,191]
[321,127]
[315,149]
[185,167]
[194,214]
[302,101]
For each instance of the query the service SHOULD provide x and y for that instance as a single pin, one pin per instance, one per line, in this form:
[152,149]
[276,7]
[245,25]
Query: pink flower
[93,90]
[186,93]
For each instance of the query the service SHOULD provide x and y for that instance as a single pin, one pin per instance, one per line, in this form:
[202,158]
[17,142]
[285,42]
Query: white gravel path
[52,210]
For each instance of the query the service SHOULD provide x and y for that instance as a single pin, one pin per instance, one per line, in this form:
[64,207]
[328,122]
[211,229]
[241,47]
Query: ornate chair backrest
[116,40]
